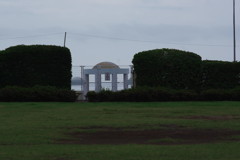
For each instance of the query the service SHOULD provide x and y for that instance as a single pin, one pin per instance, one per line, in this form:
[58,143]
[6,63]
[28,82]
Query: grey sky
[114,30]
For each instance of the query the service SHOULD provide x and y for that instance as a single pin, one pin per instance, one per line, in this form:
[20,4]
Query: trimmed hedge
[28,66]
[147,94]
[177,69]
[168,68]
[220,74]
[142,94]
[36,94]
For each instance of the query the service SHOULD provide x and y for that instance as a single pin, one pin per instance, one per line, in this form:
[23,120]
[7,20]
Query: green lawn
[32,131]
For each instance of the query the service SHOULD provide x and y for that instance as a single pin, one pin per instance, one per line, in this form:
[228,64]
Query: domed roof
[105,65]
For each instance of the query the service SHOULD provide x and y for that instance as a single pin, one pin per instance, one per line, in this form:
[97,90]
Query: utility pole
[234,33]
[65,37]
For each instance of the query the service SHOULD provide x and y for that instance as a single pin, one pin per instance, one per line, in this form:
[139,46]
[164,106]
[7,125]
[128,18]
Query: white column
[114,82]
[125,81]
[82,78]
[98,82]
[132,77]
[86,84]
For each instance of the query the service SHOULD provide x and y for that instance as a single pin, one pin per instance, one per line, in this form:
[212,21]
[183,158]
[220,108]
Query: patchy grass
[32,131]
[167,140]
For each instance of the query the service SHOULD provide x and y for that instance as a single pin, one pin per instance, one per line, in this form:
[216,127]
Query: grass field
[120,131]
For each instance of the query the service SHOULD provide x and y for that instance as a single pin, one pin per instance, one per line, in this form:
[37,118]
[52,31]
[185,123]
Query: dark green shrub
[142,94]
[36,94]
[216,95]
[235,93]
[92,96]
[220,75]
[185,95]
[105,95]
[148,94]
[168,68]
[28,66]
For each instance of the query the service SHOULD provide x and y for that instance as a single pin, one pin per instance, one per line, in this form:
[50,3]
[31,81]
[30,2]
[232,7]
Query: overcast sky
[115,30]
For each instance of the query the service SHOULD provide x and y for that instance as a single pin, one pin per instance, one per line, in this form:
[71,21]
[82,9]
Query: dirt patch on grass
[166,136]
[223,117]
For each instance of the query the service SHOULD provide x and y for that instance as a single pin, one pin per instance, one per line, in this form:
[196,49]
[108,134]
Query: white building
[111,72]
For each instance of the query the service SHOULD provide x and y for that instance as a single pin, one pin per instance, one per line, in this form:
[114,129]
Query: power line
[120,39]
[31,36]
[144,41]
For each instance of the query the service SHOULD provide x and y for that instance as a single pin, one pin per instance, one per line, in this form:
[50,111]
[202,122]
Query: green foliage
[158,94]
[184,70]
[36,94]
[216,95]
[167,68]
[221,94]
[28,66]
[220,75]
[92,96]
[142,94]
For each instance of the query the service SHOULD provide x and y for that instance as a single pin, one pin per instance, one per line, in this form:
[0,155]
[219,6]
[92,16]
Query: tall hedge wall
[28,66]
[169,68]
[220,74]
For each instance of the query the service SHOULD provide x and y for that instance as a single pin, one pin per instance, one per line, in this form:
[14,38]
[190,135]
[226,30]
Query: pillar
[125,81]
[85,84]
[132,77]
[82,78]
[114,82]
[98,82]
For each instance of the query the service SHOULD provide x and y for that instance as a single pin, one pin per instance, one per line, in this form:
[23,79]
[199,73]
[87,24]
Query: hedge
[28,66]
[36,94]
[168,68]
[177,69]
[148,94]
[220,74]
[141,94]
